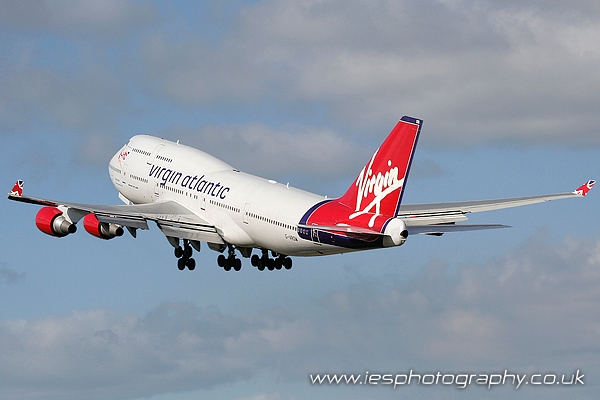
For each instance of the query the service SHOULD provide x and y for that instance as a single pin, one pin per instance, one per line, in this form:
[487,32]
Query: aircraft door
[315,235]
[155,189]
[154,154]
[246,212]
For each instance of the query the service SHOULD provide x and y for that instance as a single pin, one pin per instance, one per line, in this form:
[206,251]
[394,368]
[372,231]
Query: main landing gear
[277,262]
[184,255]
[231,261]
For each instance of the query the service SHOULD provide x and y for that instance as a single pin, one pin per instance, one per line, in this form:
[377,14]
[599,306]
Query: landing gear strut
[277,262]
[231,261]
[185,256]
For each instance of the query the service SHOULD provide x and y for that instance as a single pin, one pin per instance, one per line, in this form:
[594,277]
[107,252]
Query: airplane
[194,197]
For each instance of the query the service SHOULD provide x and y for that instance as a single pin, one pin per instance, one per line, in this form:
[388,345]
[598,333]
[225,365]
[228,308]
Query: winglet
[17,190]
[585,188]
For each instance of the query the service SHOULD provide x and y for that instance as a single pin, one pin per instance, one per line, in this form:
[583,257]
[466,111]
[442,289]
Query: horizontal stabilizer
[443,228]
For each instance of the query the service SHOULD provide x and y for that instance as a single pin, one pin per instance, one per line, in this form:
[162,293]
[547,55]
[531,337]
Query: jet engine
[395,233]
[99,229]
[51,221]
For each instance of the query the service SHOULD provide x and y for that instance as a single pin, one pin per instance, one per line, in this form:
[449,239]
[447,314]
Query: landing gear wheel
[191,264]
[178,252]
[237,264]
[221,261]
[261,267]
[271,264]
[187,252]
[255,260]
[287,263]
[181,264]
[230,263]
[278,263]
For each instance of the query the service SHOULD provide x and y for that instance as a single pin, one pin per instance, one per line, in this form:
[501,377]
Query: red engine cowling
[100,229]
[51,221]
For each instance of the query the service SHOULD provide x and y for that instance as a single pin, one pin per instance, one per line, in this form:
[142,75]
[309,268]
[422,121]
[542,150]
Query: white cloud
[102,354]
[533,310]
[104,18]
[474,71]
[65,64]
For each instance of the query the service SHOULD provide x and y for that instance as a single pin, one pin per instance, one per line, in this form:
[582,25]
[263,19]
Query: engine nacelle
[395,233]
[99,229]
[51,221]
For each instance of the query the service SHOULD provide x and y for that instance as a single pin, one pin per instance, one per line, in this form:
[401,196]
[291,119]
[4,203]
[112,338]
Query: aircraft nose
[114,165]
[113,161]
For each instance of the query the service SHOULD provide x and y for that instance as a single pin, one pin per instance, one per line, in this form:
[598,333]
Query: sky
[303,92]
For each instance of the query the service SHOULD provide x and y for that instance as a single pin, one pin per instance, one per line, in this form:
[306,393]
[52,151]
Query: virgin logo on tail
[377,191]
[379,186]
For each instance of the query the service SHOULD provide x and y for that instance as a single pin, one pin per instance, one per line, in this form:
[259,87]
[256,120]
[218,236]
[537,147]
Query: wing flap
[432,218]
[131,222]
[192,232]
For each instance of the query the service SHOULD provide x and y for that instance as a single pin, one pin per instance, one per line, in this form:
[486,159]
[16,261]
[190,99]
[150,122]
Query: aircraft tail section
[379,187]
[373,199]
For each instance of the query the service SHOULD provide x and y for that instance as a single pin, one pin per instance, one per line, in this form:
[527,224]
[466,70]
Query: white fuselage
[248,211]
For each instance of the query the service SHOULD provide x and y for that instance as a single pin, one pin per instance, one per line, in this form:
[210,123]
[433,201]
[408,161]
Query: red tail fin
[378,189]
[379,186]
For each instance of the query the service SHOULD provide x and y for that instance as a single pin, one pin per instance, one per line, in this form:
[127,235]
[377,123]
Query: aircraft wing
[438,218]
[172,218]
